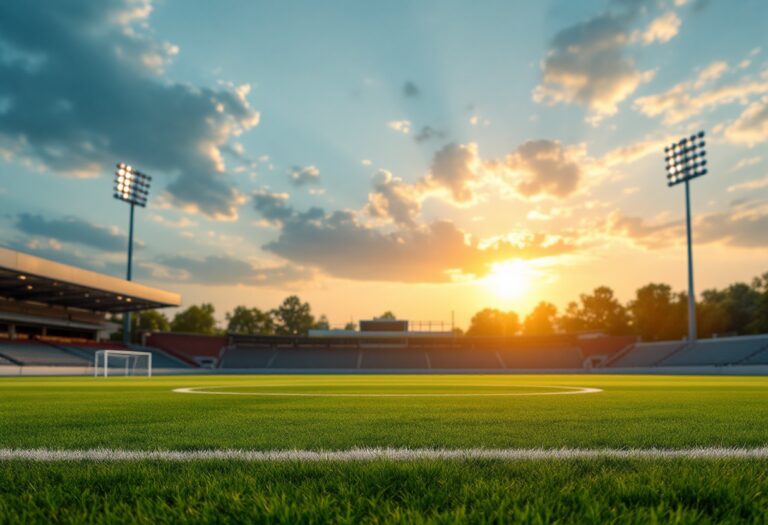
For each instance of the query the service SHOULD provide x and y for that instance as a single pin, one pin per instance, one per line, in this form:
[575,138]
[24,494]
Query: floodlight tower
[685,161]
[131,186]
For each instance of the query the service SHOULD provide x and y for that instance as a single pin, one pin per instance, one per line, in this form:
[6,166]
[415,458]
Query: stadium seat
[717,352]
[30,353]
[646,354]
[542,357]
[290,358]
[463,358]
[393,358]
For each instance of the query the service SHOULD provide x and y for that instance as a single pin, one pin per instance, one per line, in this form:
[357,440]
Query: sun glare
[508,280]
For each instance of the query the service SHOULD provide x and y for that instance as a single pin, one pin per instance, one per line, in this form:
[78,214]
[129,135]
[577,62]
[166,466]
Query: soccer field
[384,448]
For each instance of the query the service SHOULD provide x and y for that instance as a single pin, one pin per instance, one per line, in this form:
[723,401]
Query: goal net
[122,363]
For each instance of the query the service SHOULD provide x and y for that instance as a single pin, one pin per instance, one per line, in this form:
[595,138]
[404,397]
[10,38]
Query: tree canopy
[195,320]
[293,317]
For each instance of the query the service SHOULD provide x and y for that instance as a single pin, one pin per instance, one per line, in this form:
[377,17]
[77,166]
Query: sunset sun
[509,279]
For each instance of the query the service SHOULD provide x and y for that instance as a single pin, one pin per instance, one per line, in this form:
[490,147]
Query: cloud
[635,151]
[224,270]
[752,125]
[273,207]
[537,168]
[73,230]
[690,98]
[427,133]
[403,126]
[545,167]
[455,167]
[393,199]
[411,90]
[587,64]
[307,175]
[755,184]
[747,162]
[340,245]
[662,29]
[743,226]
[83,87]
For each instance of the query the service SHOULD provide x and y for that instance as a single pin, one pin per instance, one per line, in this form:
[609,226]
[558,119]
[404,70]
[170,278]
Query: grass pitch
[447,412]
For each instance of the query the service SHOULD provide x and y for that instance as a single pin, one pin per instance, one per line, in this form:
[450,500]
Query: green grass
[142,413]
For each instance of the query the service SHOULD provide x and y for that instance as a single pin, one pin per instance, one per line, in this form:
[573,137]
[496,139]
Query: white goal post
[122,362]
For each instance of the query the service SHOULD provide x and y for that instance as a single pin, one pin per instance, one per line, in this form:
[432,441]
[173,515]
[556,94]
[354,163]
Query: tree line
[656,313]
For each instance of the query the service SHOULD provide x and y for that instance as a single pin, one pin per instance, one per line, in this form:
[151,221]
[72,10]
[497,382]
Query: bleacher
[646,354]
[758,358]
[414,353]
[84,352]
[32,353]
[542,357]
[462,358]
[393,358]
[200,350]
[298,358]
[717,352]
[4,361]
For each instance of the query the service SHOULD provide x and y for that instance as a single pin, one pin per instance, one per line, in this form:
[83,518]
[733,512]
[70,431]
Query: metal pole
[691,294]
[127,315]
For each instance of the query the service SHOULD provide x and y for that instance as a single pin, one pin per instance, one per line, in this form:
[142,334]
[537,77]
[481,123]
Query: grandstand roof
[25,277]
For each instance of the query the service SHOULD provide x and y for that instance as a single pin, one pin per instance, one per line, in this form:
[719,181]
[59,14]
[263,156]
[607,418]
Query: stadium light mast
[685,161]
[131,186]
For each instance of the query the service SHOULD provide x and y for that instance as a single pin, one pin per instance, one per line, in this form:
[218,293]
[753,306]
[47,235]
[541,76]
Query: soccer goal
[122,363]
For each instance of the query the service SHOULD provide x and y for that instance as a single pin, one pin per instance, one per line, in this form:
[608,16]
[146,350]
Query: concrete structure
[39,297]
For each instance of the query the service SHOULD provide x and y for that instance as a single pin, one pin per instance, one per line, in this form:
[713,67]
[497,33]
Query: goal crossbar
[101,357]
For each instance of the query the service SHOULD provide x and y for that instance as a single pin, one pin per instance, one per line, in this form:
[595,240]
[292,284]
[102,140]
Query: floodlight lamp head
[684,159]
[131,185]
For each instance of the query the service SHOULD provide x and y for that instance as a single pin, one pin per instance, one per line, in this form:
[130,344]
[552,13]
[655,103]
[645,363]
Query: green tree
[195,320]
[350,326]
[759,323]
[711,316]
[493,322]
[658,314]
[293,317]
[150,321]
[388,315]
[599,311]
[738,305]
[244,320]
[322,323]
[541,321]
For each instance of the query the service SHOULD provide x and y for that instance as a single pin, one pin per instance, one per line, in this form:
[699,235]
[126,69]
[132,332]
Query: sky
[432,158]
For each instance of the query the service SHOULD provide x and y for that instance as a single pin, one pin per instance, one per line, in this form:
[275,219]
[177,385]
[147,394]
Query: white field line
[564,390]
[375,454]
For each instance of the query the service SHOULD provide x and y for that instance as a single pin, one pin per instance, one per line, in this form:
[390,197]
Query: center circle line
[568,390]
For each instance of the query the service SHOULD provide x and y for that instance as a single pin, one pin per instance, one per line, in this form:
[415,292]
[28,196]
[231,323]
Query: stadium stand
[461,358]
[542,357]
[32,353]
[405,352]
[717,352]
[605,346]
[760,357]
[240,357]
[297,358]
[4,361]
[198,350]
[393,358]
[86,351]
[645,354]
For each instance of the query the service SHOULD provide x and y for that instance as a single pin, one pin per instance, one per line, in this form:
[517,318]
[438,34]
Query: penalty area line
[377,454]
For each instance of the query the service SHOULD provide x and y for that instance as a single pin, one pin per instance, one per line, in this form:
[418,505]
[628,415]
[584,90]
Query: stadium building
[54,318]
[56,315]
